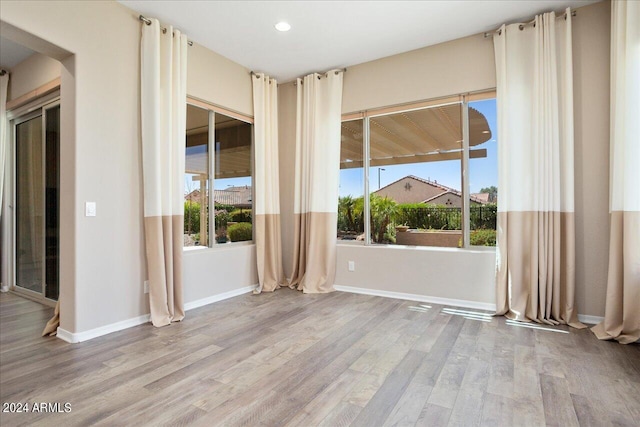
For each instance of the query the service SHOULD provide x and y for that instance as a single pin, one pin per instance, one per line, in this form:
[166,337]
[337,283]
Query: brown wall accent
[444,239]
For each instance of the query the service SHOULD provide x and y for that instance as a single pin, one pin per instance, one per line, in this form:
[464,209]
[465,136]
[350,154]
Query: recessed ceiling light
[283,26]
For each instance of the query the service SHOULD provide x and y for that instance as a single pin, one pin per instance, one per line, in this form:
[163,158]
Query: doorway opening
[36,201]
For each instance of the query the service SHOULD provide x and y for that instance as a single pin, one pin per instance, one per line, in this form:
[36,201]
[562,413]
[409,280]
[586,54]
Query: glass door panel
[30,205]
[52,202]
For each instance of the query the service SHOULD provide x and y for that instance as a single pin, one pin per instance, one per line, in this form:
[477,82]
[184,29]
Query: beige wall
[467,65]
[287,152]
[216,79]
[591,50]
[433,272]
[32,73]
[102,257]
[451,68]
[209,272]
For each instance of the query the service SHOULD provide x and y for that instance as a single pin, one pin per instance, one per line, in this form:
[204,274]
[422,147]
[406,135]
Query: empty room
[320,213]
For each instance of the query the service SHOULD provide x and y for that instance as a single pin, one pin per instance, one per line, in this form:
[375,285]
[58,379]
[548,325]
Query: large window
[222,144]
[415,159]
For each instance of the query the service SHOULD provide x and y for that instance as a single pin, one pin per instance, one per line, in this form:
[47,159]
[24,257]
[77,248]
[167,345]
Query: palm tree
[383,211]
[345,207]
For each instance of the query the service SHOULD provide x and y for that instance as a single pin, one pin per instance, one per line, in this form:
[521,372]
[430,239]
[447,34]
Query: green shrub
[222,218]
[191,217]
[241,215]
[240,232]
[483,237]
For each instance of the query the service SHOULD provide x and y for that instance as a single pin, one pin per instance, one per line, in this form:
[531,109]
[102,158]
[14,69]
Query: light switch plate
[352,266]
[90,209]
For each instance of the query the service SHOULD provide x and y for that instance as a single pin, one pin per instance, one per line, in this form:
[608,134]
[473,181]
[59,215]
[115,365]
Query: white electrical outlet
[90,209]
[146,286]
[352,266]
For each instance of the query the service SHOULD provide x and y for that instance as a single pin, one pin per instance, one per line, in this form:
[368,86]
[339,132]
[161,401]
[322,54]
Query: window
[483,175]
[196,179]
[415,159]
[351,199]
[223,144]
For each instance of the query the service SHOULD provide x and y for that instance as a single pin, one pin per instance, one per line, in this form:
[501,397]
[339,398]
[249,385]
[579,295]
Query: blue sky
[482,172]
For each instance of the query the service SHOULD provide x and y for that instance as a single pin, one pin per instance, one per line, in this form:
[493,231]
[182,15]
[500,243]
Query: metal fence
[439,218]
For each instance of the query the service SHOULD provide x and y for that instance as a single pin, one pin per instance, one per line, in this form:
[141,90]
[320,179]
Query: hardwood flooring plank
[342,416]
[558,405]
[385,399]
[467,411]
[588,415]
[287,358]
[433,415]
[497,411]
[324,404]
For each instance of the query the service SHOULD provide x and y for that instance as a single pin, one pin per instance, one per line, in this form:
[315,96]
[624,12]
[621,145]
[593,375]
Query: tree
[345,207]
[493,193]
[383,212]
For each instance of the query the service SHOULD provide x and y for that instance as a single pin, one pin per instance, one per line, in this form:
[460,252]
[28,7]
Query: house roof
[235,196]
[444,188]
[482,196]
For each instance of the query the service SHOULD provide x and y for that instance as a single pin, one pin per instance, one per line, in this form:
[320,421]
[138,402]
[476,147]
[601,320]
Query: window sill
[216,247]
[472,249]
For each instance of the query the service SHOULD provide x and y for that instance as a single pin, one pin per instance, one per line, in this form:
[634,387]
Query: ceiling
[333,34]
[12,53]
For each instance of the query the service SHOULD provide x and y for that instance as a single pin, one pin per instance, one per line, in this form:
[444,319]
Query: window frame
[212,110]
[462,99]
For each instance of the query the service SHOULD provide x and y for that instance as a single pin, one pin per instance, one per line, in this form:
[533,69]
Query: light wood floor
[305,360]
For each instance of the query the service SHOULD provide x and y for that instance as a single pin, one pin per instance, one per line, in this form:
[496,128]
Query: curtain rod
[340,70]
[164,30]
[490,34]
[336,72]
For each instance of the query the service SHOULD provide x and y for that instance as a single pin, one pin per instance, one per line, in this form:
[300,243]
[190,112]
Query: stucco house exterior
[412,189]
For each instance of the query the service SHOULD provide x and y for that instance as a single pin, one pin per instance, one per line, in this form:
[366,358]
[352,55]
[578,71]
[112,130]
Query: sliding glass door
[37,148]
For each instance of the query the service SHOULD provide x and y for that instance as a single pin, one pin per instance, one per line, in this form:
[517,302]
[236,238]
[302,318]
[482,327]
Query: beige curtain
[535,277]
[319,103]
[622,311]
[163,124]
[266,204]
[51,328]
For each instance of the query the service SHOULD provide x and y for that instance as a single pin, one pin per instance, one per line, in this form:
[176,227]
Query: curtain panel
[535,277]
[163,125]
[622,308]
[317,170]
[266,204]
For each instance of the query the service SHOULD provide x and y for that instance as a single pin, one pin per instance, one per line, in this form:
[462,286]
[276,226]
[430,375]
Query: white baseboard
[590,320]
[215,298]
[415,297]
[71,337]
[584,318]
